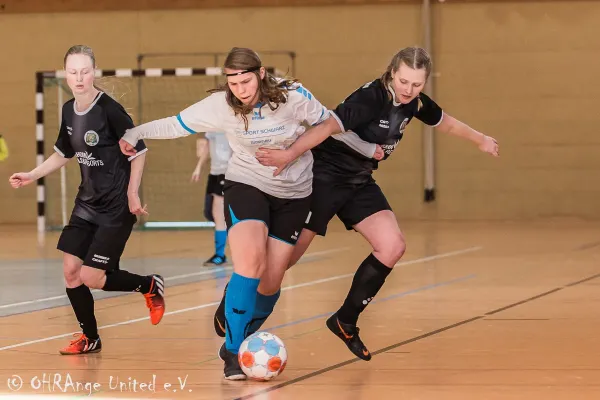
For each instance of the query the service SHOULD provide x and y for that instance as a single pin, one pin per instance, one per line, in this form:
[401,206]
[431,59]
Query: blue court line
[392,297]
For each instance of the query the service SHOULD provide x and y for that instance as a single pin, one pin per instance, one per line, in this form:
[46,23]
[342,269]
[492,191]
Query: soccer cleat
[349,334]
[155,300]
[219,318]
[215,261]
[82,345]
[232,370]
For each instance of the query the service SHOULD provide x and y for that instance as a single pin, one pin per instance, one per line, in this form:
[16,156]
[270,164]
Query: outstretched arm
[52,163]
[452,126]
[204,116]
[165,128]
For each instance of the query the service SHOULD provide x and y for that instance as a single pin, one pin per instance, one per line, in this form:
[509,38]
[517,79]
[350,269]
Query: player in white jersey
[215,146]
[264,213]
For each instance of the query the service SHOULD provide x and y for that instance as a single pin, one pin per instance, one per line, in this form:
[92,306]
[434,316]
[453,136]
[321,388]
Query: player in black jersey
[378,112]
[107,202]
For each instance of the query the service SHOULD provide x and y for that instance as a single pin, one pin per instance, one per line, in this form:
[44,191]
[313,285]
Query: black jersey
[371,113]
[92,136]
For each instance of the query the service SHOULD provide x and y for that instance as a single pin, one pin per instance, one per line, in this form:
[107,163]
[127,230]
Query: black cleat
[219,318]
[232,370]
[349,334]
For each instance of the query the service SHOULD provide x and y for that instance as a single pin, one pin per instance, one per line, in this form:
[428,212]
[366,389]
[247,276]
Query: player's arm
[357,109]
[310,139]
[431,114]
[135,179]
[119,122]
[203,116]
[203,155]
[63,152]
[51,164]
[454,127]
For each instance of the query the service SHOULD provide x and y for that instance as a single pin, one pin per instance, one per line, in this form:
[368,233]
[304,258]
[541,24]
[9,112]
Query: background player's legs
[218,214]
[278,259]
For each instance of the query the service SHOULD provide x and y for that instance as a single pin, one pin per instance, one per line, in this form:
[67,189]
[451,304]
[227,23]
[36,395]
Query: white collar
[391,89]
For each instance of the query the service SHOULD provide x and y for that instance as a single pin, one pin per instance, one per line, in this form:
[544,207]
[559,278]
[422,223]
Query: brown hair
[271,91]
[413,57]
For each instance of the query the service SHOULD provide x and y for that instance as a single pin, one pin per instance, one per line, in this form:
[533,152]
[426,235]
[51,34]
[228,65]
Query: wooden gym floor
[474,311]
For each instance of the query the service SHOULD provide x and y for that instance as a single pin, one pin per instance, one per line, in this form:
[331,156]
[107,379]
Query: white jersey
[273,129]
[219,151]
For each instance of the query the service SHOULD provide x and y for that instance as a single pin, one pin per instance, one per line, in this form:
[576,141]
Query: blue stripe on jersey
[184,125]
[320,117]
[304,92]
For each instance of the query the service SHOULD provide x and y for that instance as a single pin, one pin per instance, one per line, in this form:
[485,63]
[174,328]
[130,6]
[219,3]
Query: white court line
[311,283]
[168,278]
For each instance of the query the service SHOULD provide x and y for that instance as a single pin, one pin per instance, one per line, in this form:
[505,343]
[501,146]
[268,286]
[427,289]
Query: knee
[253,265]
[268,287]
[71,273]
[392,250]
[398,247]
[91,278]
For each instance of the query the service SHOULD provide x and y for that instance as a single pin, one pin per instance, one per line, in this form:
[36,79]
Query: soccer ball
[262,356]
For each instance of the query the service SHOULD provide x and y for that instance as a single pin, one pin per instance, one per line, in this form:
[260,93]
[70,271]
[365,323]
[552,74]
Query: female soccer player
[107,202]
[377,112]
[264,213]
[215,146]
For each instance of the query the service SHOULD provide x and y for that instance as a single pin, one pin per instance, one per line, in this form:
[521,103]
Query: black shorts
[284,217]
[98,246]
[215,184]
[351,202]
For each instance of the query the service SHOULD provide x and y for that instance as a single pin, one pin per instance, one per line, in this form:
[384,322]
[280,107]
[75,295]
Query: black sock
[368,279]
[82,302]
[123,281]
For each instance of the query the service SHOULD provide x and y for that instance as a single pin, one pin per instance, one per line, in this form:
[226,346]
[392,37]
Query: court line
[411,340]
[392,297]
[206,305]
[205,271]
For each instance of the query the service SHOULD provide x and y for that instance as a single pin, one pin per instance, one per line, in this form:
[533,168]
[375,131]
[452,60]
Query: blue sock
[239,308]
[220,241]
[264,307]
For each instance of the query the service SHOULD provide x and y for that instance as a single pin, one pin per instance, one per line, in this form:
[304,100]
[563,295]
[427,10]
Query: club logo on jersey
[389,148]
[256,115]
[85,158]
[91,138]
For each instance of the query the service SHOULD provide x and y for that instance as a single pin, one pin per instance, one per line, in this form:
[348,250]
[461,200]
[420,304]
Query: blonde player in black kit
[106,205]
[378,112]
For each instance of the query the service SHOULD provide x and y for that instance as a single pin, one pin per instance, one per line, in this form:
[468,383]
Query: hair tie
[244,71]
